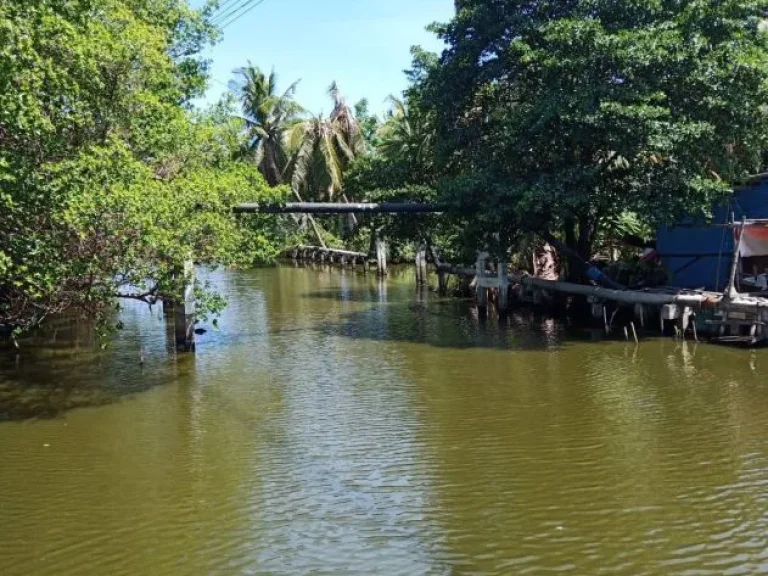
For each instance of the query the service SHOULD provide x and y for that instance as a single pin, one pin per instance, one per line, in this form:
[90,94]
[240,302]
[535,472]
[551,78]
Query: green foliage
[369,124]
[107,184]
[268,115]
[562,116]
[322,149]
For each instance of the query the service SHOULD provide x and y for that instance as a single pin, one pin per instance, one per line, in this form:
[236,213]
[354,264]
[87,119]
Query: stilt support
[421,264]
[381,255]
[503,289]
[184,312]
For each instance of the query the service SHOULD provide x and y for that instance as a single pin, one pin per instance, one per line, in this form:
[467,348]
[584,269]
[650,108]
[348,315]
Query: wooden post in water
[503,289]
[184,311]
[421,264]
[442,277]
[480,288]
[381,255]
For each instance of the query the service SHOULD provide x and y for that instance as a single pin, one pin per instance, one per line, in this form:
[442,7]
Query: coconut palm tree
[268,115]
[323,148]
[407,135]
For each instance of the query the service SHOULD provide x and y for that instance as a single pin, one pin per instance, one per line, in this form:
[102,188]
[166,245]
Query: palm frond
[301,163]
[333,167]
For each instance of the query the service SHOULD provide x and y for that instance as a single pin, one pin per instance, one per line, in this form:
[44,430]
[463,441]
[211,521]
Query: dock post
[503,289]
[640,314]
[184,311]
[442,282]
[381,255]
[421,264]
[442,277]
[480,287]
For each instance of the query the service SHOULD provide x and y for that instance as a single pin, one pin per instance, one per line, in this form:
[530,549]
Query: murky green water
[339,426]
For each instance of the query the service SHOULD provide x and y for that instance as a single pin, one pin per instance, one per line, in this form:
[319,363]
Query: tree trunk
[311,219]
[271,170]
[586,235]
[353,223]
[545,265]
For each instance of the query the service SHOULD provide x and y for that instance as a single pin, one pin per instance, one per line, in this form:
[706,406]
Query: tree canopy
[563,115]
[575,118]
[107,181]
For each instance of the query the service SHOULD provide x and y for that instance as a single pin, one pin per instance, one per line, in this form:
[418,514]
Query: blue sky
[362,44]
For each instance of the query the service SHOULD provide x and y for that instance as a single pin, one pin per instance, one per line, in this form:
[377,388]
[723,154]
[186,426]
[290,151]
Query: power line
[227,9]
[223,6]
[246,9]
[231,10]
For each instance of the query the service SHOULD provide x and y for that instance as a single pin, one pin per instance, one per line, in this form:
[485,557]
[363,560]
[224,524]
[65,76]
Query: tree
[560,116]
[324,148]
[107,182]
[369,124]
[408,136]
[268,116]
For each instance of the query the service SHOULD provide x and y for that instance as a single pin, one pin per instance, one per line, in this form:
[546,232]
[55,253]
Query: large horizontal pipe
[625,296]
[339,208]
[740,302]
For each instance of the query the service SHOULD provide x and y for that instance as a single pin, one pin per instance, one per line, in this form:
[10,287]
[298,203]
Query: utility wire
[246,9]
[223,6]
[230,11]
[227,9]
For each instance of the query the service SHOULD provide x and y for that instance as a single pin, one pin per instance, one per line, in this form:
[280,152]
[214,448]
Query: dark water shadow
[421,316]
[450,324]
[46,388]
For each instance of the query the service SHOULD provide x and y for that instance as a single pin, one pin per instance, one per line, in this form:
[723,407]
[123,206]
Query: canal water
[336,425]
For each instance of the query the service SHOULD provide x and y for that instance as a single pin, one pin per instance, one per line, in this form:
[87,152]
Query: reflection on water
[344,425]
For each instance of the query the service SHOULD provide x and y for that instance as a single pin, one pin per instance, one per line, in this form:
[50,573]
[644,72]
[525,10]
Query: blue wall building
[700,256]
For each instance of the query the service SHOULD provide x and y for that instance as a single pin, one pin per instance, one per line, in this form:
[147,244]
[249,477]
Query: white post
[480,288]
[184,316]
[381,256]
[421,265]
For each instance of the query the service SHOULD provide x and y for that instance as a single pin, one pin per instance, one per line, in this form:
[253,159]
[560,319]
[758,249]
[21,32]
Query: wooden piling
[503,289]
[421,264]
[481,290]
[442,276]
[381,255]
[184,311]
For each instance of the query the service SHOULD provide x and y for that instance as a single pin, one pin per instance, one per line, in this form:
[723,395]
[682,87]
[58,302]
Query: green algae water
[339,425]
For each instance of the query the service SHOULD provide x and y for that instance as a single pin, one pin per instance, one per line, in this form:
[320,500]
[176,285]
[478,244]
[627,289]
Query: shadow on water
[37,388]
[64,367]
[420,316]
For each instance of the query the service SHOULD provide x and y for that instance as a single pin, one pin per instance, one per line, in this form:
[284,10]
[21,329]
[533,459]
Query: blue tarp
[693,256]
